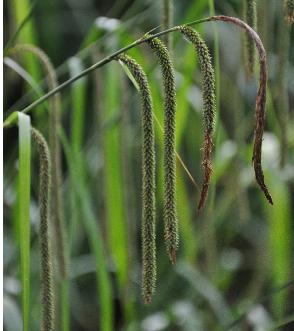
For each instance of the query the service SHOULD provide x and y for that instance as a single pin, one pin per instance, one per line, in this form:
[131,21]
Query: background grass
[235,256]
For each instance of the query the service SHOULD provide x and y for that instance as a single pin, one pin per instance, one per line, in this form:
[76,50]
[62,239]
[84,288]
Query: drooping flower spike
[47,296]
[170,211]
[148,183]
[208,96]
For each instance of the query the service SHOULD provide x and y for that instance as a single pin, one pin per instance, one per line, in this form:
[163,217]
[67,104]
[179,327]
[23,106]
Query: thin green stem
[65,305]
[211,242]
[98,65]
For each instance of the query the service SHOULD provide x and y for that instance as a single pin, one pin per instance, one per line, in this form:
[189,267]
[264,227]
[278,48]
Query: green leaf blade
[24,211]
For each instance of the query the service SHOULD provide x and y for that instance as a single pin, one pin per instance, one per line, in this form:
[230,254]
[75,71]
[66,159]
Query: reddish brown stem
[260,100]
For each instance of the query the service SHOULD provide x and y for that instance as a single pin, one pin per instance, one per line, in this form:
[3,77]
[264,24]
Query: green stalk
[65,305]
[93,232]
[112,175]
[11,121]
[211,242]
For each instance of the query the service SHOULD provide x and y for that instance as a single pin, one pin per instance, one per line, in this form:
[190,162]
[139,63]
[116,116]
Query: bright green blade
[130,75]
[93,232]
[20,10]
[113,179]
[12,118]
[22,24]
[24,125]
[280,240]
[65,305]
[24,74]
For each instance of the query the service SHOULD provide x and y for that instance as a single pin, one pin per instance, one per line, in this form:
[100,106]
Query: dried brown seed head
[260,100]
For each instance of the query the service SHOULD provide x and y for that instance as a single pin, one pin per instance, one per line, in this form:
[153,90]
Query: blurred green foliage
[236,255]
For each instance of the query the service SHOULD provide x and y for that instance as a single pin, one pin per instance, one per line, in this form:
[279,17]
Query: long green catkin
[148,182]
[289,11]
[208,86]
[250,16]
[47,323]
[170,211]
[54,143]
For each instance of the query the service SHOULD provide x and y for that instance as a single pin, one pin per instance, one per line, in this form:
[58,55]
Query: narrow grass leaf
[20,10]
[94,235]
[113,180]
[22,24]
[24,183]
[280,242]
[207,291]
[23,74]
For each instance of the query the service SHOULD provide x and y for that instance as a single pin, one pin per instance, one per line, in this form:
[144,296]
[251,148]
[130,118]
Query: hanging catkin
[250,16]
[54,143]
[208,96]
[289,11]
[170,212]
[148,182]
[47,323]
[260,100]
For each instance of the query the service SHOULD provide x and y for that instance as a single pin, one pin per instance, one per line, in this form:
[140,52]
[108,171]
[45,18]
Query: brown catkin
[54,143]
[170,213]
[289,11]
[208,87]
[250,16]
[148,182]
[47,323]
[260,100]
